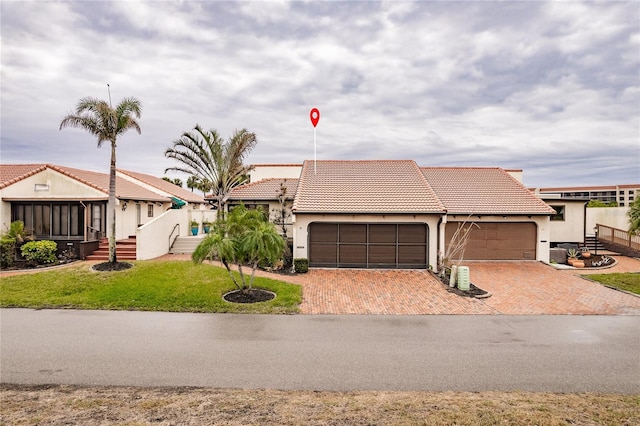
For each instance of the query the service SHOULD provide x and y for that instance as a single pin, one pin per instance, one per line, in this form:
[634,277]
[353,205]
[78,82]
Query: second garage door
[498,241]
[368,245]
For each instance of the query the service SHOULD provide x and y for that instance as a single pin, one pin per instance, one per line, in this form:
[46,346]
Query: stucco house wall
[572,228]
[615,217]
[267,171]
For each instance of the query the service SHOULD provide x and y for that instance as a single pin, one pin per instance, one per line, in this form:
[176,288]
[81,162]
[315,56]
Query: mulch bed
[254,295]
[589,262]
[111,266]
[473,291]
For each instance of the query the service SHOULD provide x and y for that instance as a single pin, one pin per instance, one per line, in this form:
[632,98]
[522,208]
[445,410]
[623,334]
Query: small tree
[634,215]
[457,246]
[244,237]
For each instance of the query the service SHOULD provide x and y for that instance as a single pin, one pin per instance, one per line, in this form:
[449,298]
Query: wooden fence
[618,236]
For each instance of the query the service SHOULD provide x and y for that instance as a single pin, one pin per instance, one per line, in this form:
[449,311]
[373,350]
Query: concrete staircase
[125,250]
[593,244]
[186,245]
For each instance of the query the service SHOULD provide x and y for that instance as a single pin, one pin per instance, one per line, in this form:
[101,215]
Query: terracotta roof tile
[12,173]
[376,186]
[265,189]
[164,186]
[482,190]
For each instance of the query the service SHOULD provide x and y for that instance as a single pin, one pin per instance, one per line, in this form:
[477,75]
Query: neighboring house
[621,194]
[568,223]
[69,205]
[267,171]
[394,214]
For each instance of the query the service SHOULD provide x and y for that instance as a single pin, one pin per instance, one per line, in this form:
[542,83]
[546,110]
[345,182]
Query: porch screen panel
[56,219]
[76,217]
[42,220]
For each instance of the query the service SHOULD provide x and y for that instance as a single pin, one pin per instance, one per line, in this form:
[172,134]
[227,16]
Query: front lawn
[174,286]
[629,281]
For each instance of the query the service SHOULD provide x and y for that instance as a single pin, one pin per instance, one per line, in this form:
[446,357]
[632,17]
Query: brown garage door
[368,245]
[498,241]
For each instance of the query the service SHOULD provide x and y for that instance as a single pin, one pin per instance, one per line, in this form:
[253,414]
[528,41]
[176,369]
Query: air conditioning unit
[463,278]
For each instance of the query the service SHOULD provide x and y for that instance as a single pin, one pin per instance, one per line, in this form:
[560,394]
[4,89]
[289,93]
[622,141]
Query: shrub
[301,265]
[40,252]
[7,252]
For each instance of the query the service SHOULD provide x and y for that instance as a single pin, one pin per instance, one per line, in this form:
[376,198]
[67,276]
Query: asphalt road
[322,352]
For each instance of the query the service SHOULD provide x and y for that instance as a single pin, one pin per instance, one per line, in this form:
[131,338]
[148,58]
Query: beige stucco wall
[301,229]
[275,171]
[615,217]
[5,216]
[60,187]
[571,229]
[542,224]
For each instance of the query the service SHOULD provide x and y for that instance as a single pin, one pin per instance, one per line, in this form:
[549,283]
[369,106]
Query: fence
[618,236]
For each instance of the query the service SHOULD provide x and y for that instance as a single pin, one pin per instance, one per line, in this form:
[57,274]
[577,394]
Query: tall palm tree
[207,156]
[106,123]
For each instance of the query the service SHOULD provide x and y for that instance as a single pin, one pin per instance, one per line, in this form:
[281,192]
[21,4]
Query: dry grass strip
[64,405]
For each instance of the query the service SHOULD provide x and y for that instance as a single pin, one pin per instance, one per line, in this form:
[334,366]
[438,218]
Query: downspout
[442,223]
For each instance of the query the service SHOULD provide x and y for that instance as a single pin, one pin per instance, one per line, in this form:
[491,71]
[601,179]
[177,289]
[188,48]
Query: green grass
[173,286]
[629,281]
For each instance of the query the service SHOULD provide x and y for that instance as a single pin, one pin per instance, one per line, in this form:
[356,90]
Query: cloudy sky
[550,88]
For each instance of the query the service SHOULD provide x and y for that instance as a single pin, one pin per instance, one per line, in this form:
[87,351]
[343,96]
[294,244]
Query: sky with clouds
[552,88]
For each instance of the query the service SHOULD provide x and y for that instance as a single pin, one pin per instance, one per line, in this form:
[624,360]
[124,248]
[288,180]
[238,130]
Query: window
[149,210]
[559,216]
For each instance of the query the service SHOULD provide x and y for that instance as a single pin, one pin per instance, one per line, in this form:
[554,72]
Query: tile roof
[265,189]
[164,186]
[376,186]
[12,173]
[482,190]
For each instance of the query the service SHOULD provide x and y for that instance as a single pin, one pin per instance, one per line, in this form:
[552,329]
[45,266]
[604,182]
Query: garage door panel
[323,233]
[382,234]
[412,254]
[353,233]
[354,255]
[382,254]
[412,233]
[323,253]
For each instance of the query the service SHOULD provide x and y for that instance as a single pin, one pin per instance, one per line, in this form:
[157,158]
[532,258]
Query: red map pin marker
[315,116]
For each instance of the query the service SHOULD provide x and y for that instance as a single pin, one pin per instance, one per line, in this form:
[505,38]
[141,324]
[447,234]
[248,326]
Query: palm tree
[192,183]
[207,156]
[106,123]
[245,237]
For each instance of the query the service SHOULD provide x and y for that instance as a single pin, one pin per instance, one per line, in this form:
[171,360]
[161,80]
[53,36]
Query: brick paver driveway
[517,288]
